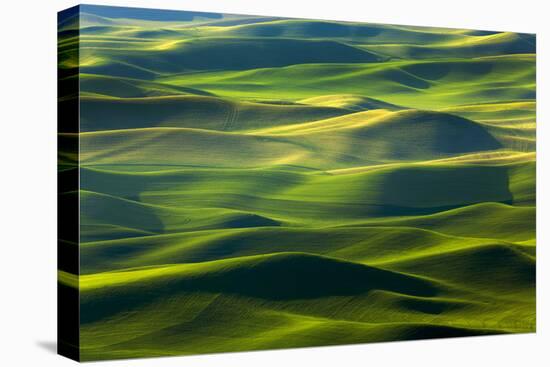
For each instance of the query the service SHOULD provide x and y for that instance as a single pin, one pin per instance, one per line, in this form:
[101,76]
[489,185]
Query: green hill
[350,101]
[502,270]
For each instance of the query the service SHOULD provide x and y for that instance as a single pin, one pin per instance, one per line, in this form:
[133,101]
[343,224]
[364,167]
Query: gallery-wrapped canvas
[236,183]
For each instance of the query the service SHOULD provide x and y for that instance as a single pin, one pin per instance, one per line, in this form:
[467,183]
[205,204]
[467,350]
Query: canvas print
[236,182]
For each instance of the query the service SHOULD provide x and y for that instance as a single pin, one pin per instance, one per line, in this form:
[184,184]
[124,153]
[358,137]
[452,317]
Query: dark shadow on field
[438,70]
[112,209]
[313,29]
[452,187]
[120,185]
[48,345]
[426,132]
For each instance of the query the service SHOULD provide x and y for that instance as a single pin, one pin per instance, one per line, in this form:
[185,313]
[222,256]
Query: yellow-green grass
[208,301]
[250,183]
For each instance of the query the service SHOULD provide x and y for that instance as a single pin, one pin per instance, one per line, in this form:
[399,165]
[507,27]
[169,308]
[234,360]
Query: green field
[254,183]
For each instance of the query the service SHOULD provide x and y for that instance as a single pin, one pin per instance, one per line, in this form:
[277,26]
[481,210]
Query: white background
[28,183]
